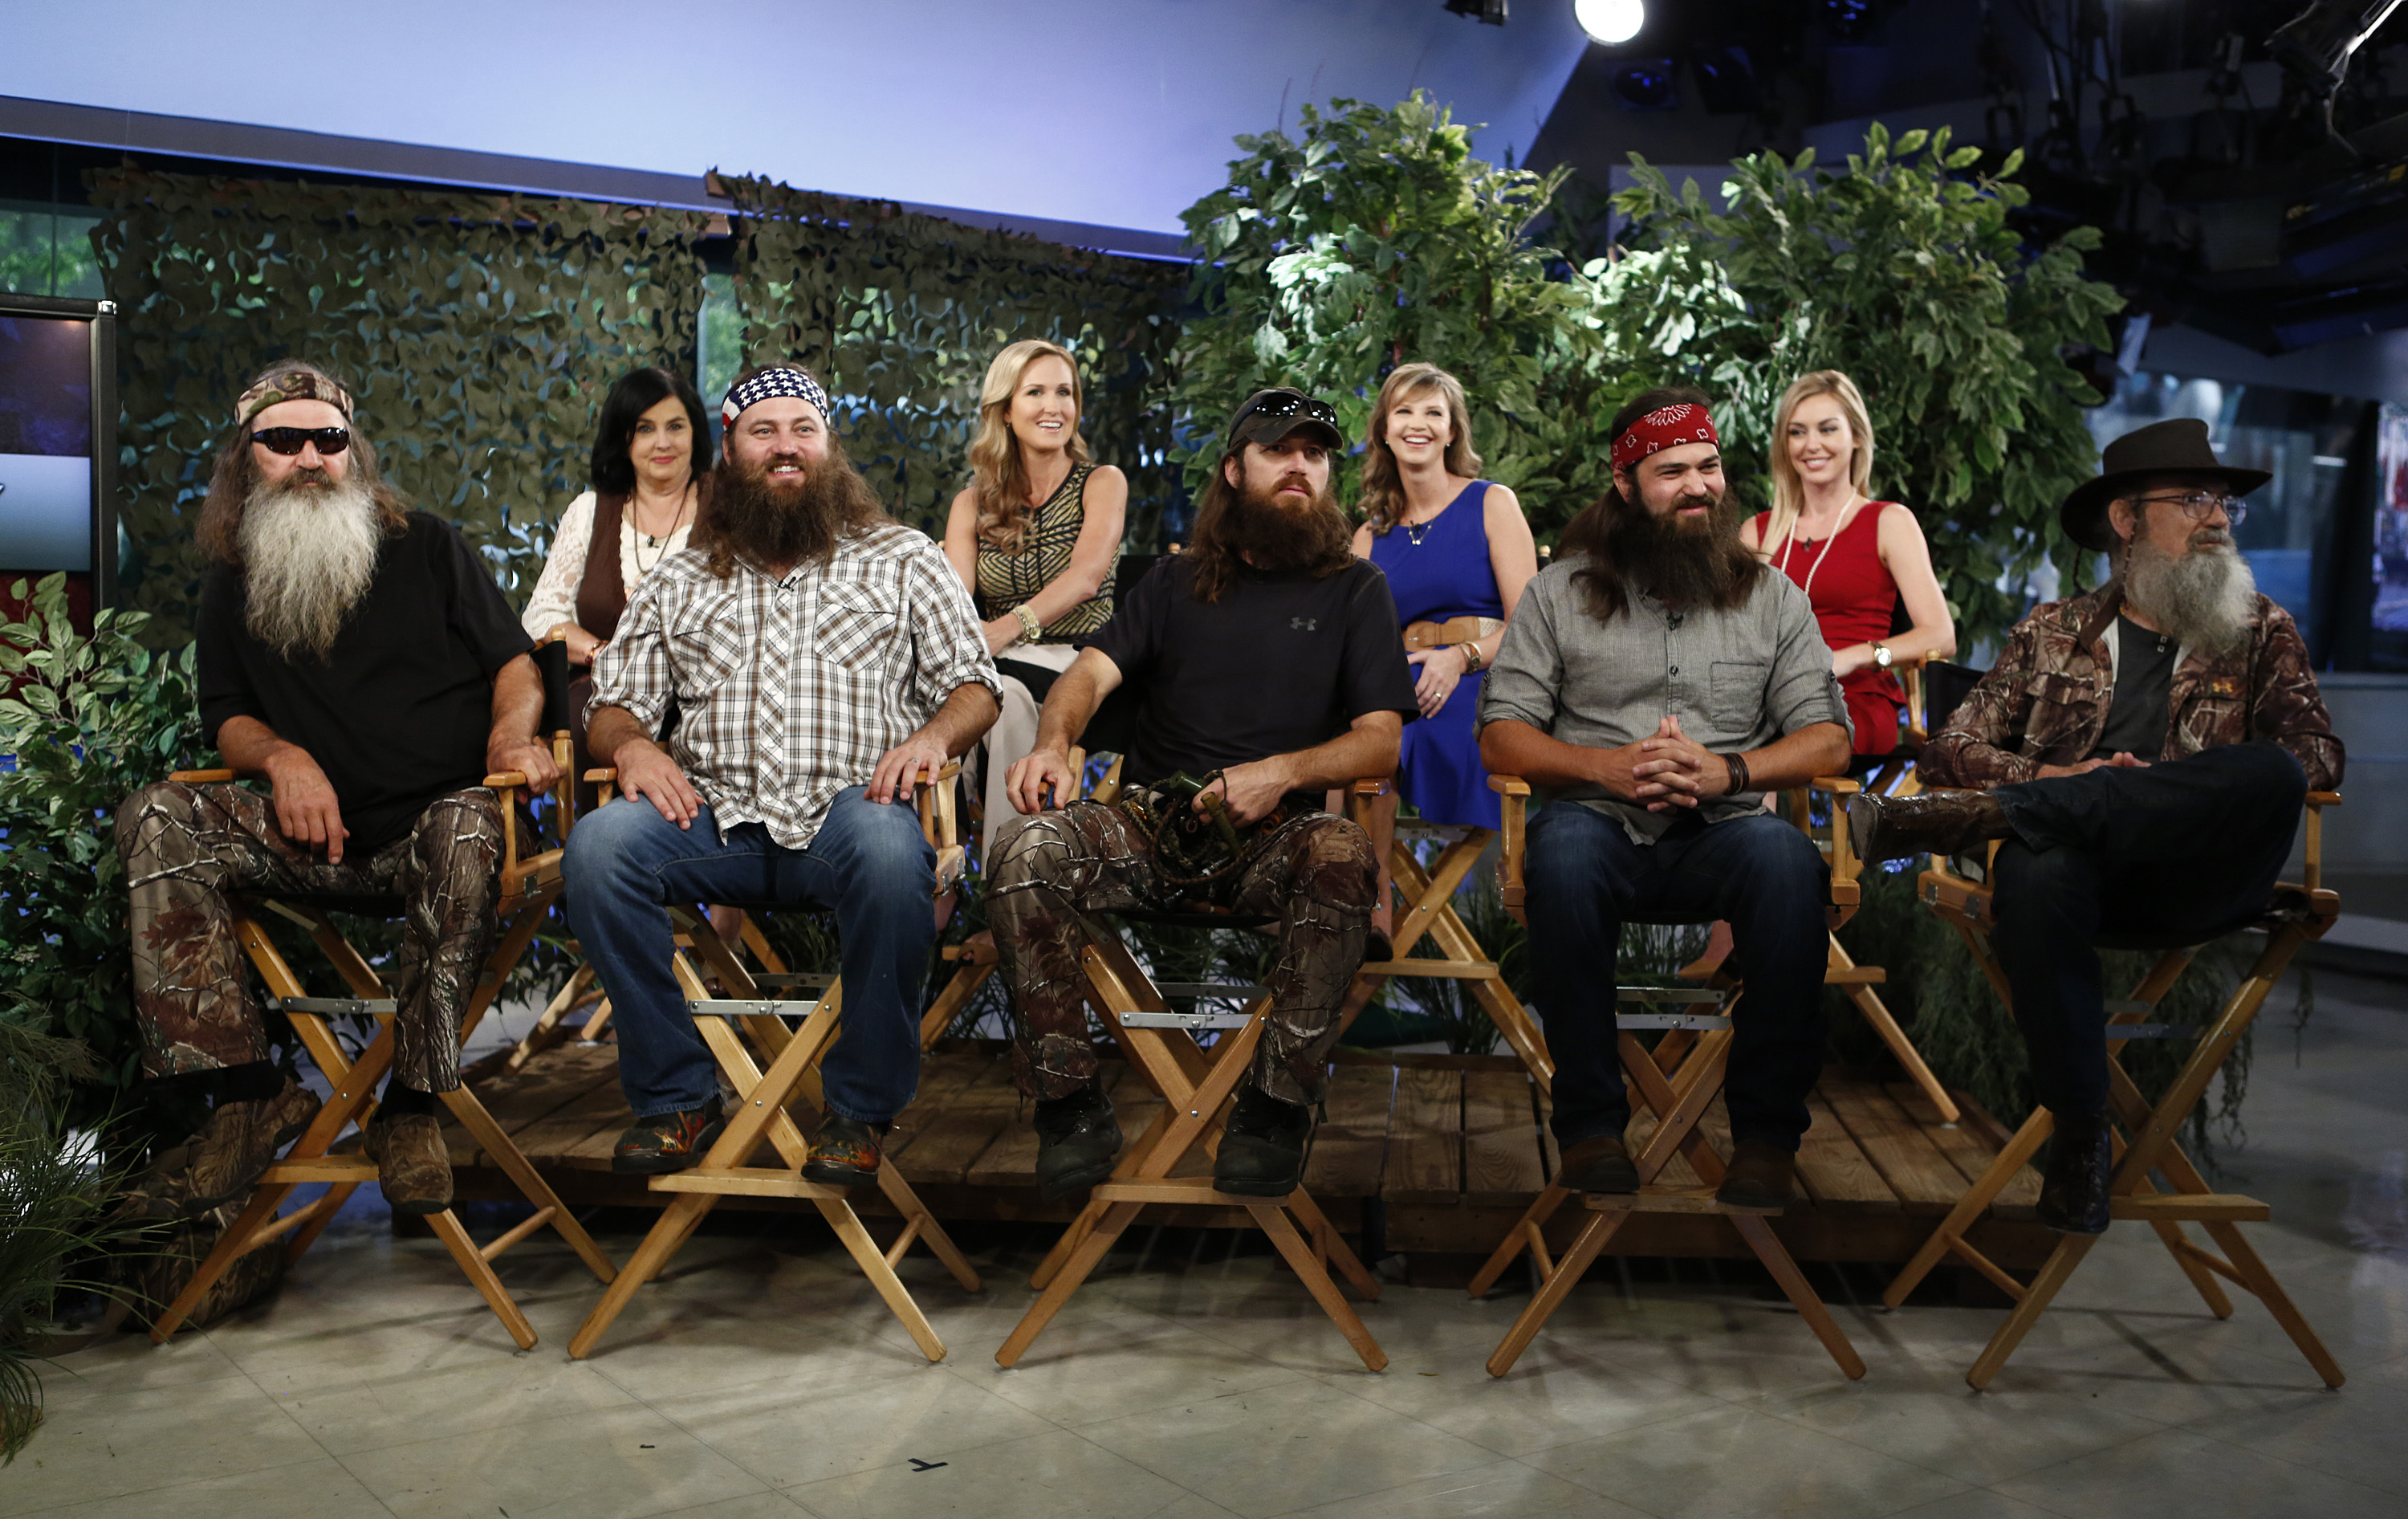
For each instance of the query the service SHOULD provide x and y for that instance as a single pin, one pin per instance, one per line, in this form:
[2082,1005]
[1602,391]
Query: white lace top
[555,592]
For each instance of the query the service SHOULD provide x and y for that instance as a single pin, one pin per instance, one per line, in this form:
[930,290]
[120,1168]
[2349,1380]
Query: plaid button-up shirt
[789,689]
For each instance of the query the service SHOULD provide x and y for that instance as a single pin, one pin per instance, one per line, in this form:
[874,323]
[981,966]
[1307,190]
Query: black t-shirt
[2144,676]
[1281,663]
[399,714]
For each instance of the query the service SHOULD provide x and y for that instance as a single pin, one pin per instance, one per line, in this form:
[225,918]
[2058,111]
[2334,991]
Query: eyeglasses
[1289,405]
[292,441]
[2198,506]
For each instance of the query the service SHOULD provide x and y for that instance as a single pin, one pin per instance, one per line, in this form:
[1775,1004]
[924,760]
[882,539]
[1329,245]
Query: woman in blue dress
[1458,552]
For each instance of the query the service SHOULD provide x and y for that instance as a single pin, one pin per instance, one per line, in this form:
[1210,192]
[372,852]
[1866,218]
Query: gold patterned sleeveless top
[1006,580]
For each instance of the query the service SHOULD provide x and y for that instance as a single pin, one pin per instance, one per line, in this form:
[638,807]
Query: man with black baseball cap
[1267,659]
[2142,753]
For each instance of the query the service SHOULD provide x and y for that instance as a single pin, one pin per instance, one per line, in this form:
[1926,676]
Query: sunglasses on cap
[292,441]
[1289,404]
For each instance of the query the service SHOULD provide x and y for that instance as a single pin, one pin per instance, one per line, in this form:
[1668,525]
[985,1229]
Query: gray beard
[308,554]
[2203,599]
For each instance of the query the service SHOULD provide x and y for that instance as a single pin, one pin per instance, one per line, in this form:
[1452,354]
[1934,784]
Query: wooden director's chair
[769,1101]
[530,885]
[2295,915]
[1197,1084]
[1675,1082]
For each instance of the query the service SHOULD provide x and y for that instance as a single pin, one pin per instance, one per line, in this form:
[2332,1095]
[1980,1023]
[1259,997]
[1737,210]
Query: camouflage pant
[1314,875]
[187,848]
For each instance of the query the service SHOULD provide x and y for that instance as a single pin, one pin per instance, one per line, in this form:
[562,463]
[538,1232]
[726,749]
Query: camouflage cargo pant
[187,848]
[1314,875]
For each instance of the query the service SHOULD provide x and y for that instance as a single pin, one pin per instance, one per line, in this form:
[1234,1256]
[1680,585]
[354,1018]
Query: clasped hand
[1667,770]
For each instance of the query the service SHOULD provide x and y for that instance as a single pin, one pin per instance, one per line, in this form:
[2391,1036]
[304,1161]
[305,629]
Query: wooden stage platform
[1451,1148]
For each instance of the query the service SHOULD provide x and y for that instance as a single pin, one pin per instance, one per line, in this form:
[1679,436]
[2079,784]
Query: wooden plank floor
[1453,1148]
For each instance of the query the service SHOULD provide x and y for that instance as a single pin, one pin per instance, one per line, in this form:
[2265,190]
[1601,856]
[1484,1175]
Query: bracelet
[1737,766]
[1029,626]
[1471,657]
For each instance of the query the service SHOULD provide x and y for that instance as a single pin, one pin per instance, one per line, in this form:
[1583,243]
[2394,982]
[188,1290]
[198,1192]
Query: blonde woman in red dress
[1856,558]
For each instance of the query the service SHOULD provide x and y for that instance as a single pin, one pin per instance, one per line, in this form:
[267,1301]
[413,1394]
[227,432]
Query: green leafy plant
[1908,272]
[89,721]
[1373,239]
[902,312]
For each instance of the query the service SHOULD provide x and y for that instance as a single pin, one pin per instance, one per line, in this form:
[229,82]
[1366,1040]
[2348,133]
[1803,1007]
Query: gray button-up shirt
[1737,680]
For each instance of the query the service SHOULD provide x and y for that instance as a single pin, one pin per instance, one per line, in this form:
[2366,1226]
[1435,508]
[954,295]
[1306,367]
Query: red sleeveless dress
[1854,599]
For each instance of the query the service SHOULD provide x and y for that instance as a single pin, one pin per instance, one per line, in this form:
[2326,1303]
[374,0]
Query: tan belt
[1421,636]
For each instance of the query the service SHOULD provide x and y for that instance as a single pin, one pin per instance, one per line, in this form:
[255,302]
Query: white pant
[1014,736]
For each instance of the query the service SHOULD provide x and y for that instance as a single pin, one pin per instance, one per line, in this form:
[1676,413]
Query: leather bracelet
[1736,767]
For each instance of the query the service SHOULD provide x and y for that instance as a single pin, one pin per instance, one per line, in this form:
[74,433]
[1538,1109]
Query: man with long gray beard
[356,654]
[824,662]
[1654,682]
[2140,752]
[1268,667]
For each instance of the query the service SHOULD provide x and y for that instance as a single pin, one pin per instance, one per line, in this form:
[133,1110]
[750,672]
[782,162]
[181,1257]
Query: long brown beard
[1681,562]
[310,548]
[1313,537]
[2204,598]
[766,522]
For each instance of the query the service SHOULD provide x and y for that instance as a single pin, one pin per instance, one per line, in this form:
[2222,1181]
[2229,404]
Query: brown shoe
[1599,1163]
[1761,1179]
[1929,823]
[413,1166]
[222,1161]
[666,1142]
[844,1153]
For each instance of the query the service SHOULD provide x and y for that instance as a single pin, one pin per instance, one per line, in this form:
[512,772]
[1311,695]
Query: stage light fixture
[1610,22]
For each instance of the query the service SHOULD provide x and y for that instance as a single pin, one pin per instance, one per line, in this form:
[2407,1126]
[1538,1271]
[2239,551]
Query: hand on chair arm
[1367,747]
[968,710]
[1043,777]
[645,768]
[306,811]
[518,706]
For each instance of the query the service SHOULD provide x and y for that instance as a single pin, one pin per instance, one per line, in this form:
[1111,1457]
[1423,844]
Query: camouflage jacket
[2045,701]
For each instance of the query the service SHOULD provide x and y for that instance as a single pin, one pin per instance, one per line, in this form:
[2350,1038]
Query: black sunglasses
[1289,405]
[292,441]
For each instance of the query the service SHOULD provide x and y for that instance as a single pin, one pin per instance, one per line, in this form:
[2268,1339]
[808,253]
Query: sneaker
[413,1163]
[666,1142]
[844,1153]
[1600,1162]
[1076,1141]
[1761,1179]
[1262,1149]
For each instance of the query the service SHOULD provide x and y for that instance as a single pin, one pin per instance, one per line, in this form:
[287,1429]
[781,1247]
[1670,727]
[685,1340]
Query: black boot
[1262,1150]
[1077,1139]
[2074,1194]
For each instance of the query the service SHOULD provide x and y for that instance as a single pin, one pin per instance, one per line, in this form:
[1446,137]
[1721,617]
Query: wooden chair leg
[480,1272]
[872,1261]
[1331,1245]
[677,1221]
[1089,1253]
[1951,1233]
[1533,1221]
[1775,1257]
[1556,1288]
[2260,1281]
[931,1233]
[230,1246]
[480,1123]
[307,1235]
[2053,1276]
[1274,1222]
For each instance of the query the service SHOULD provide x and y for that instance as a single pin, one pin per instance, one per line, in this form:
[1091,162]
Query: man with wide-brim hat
[2142,753]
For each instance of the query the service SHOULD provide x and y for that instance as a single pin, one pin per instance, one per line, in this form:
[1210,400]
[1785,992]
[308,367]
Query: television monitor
[58,434]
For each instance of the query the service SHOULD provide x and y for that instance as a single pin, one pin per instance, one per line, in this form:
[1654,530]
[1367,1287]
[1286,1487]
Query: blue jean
[870,862]
[1585,878]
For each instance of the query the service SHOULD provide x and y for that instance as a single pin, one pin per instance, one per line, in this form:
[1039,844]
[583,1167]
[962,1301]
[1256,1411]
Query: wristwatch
[1470,653]
[1882,655]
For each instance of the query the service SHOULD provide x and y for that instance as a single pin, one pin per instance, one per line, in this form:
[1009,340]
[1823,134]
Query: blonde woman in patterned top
[1035,536]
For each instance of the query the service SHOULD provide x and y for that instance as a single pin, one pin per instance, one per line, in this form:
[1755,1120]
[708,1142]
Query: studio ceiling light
[1610,22]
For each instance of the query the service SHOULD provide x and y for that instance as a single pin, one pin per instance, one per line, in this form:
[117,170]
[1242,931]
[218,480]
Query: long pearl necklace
[1791,542]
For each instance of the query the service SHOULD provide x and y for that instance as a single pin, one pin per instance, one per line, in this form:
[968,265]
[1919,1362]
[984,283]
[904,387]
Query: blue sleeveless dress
[1446,576]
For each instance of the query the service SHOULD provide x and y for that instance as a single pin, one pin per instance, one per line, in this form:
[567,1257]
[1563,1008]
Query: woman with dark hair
[651,464]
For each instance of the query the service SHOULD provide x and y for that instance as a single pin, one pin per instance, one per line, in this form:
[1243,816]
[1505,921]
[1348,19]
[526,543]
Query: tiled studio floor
[756,1382]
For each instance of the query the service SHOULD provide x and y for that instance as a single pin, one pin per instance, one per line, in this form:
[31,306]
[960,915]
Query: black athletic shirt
[1281,663]
[400,713]
[2140,715]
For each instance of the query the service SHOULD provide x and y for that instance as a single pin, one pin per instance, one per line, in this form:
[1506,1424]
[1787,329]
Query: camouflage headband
[292,386]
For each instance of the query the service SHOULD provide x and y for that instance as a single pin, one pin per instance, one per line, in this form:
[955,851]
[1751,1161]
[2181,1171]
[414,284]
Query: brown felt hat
[2176,447]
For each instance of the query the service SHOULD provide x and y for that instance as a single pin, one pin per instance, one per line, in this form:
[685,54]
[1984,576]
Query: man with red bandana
[1656,680]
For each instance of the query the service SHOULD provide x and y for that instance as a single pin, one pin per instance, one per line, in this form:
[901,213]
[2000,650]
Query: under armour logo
[1303,625]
